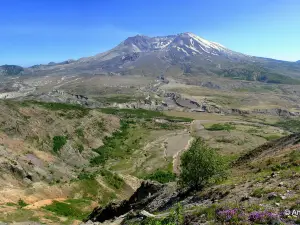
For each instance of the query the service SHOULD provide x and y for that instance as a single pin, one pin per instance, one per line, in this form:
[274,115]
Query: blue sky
[33,32]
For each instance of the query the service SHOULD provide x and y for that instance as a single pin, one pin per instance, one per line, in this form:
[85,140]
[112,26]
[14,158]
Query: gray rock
[272,195]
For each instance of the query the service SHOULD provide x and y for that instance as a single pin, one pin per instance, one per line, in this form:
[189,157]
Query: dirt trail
[176,157]
[195,127]
[163,142]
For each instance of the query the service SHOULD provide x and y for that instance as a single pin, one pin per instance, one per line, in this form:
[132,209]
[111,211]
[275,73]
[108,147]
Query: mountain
[52,64]
[11,70]
[185,53]
[154,55]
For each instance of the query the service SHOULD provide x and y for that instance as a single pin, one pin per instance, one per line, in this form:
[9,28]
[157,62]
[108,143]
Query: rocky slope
[27,143]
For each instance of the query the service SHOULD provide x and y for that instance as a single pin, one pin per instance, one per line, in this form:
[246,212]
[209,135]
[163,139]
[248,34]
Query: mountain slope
[11,70]
[187,52]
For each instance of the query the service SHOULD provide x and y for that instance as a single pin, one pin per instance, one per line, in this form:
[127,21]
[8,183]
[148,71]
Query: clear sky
[40,31]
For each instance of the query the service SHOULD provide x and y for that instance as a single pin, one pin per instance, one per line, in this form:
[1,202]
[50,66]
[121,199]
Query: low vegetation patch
[112,179]
[143,114]
[114,146]
[21,203]
[18,215]
[58,143]
[292,125]
[86,176]
[79,132]
[259,192]
[162,126]
[66,110]
[263,88]
[225,140]
[162,176]
[66,209]
[80,148]
[218,126]
[272,137]
[57,105]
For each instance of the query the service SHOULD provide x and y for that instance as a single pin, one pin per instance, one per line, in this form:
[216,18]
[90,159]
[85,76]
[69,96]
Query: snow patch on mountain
[193,49]
[181,49]
[186,43]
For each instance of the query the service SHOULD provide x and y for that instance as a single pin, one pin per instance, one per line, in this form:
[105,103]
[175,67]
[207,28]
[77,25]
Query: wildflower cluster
[263,217]
[230,215]
[234,216]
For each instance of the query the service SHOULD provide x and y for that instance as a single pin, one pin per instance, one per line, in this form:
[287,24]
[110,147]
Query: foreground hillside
[261,188]
[59,161]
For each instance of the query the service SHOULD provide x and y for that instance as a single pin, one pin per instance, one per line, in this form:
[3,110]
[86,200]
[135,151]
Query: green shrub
[79,133]
[218,126]
[100,159]
[80,148]
[161,176]
[21,203]
[200,165]
[58,143]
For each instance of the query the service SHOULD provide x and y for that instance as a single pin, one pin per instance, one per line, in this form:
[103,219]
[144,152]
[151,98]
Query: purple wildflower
[230,215]
[263,217]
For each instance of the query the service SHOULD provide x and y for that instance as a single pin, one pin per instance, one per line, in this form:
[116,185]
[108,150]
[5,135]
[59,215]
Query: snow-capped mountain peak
[191,44]
[187,43]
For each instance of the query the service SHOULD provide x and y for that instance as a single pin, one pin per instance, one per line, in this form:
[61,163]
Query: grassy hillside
[60,157]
